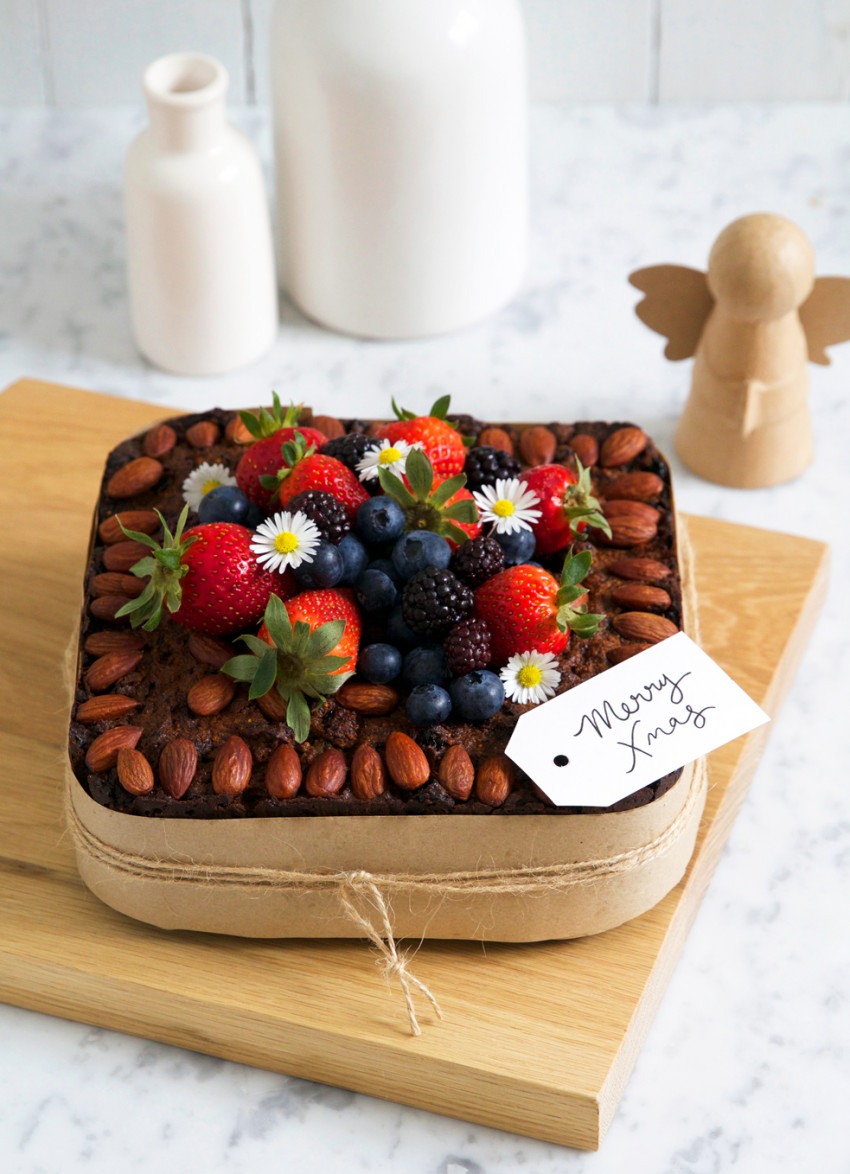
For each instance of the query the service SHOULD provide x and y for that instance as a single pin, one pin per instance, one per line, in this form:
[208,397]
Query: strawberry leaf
[298,717]
[324,638]
[440,407]
[402,413]
[265,675]
[462,511]
[448,489]
[242,668]
[395,488]
[420,473]
[576,567]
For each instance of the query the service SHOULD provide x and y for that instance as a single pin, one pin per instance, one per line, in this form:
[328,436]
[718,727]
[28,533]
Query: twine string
[374,889]
[383,939]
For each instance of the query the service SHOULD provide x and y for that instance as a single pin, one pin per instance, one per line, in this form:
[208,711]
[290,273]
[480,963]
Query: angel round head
[761,267]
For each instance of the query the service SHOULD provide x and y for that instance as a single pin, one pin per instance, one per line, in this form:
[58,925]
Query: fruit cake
[289,614]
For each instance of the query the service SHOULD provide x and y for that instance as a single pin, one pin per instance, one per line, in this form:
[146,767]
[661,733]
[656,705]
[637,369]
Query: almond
[100,642]
[145,521]
[211,694]
[621,508]
[134,771]
[105,708]
[114,583]
[283,773]
[237,433]
[231,772]
[136,477]
[623,652]
[494,780]
[364,697]
[209,649]
[103,752]
[456,773]
[497,438]
[537,445]
[109,668]
[636,486]
[204,434]
[622,446]
[326,774]
[329,426]
[177,765]
[106,607]
[160,440]
[627,530]
[643,626]
[368,774]
[406,761]
[586,448]
[648,569]
[273,706]
[123,556]
[640,597]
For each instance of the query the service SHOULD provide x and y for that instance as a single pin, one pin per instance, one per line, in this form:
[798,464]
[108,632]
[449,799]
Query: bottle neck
[185,94]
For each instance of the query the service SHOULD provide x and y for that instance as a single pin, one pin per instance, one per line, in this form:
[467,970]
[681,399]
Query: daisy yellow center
[389,456]
[210,485]
[285,542]
[529,676]
[503,508]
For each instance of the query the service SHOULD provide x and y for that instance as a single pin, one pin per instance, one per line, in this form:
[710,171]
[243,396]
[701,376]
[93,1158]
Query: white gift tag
[631,725]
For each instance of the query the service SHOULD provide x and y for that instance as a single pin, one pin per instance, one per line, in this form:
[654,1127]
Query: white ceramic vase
[401,160]
[201,269]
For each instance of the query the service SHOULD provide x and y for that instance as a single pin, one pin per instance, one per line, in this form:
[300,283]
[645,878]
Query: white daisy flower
[387,456]
[530,677]
[508,504]
[286,540]
[201,480]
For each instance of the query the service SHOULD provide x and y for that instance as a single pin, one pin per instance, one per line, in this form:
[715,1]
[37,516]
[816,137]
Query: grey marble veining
[747,1066]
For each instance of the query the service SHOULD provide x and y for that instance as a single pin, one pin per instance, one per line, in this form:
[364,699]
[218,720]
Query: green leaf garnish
[165,567]
[425,508]
[569,618]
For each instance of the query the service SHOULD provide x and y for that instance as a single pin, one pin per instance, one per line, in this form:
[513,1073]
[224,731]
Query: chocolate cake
[159,729]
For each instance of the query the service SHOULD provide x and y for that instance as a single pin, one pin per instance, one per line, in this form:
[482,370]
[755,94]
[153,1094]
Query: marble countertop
[748,1062]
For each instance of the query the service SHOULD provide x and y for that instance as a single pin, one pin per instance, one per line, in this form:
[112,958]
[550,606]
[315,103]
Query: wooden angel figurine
[752,324]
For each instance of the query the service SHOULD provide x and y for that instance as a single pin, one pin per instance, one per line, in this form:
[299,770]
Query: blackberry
[477,560]
[434,600]
[484,465]
[325,510]
[350,449]
[467,647]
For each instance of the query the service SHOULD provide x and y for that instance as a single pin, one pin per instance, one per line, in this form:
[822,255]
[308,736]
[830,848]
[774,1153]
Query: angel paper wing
[825,315]
[676,304]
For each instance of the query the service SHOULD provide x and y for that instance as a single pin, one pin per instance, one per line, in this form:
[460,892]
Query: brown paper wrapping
[247,877]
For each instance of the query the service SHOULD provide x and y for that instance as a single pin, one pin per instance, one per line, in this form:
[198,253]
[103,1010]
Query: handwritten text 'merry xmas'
[642,733]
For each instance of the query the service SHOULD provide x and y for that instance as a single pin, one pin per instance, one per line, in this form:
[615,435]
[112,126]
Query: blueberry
[376,592]
[518,547]
[419,549]
[325,570]
[477,696]
[225,503]
[398,632]
[428,705]
[425,665]
[386,565]
[380,519]
[379,663]
[354,558]
[254,516]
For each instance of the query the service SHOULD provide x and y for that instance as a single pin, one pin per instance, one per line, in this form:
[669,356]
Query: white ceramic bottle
[201,269]
[401,160]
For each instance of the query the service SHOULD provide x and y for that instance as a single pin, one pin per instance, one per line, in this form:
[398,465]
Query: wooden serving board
[536,1039]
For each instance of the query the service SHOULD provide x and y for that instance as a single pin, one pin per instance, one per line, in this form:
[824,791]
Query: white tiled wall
[91,52]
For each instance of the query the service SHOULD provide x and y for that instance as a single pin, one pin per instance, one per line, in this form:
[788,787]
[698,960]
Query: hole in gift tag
[561,760]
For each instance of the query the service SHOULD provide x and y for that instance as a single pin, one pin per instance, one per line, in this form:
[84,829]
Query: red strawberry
[447,508]
[306,648]
[264,458]
[208,578]
[527,609]
[441,443]
[304,469]
[322,607]
[566,505]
